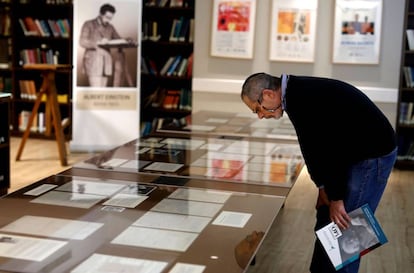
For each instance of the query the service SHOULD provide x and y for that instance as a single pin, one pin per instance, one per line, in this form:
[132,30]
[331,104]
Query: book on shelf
[148,66]
[41,122]
[408,76]
[144,66]
[150,3]
[177,32]
[410,38]
[64,27]
[145,31]
[25,29]
[191,31]
[176,3]
[5,84]
[5,22]
[157,97]
[43,32]
[405,148]
[406,113]
[27,89]
[31,26]
[184,30]
[167,65]
[182,68]
[174,26]
[154,32]
[4,53]
[174,65]
[345,246]
[190,65]
[171,99]
[409,154]
[168,123]
[54,28]
[152,67]
[146,128]
[38,124]
[162,3]
[45,27]
[185,99]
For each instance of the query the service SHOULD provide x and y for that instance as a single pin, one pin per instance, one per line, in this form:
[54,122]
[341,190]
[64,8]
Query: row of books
[406,115]
[5,53]
[147,127]
[38,124]
[150,31]
[39,121]
[5,84]
[58,2]
[5,22]
[47,2]
[28,91]
[182,30]
[45,27]
[405,148]
[171,99]
[167,3]
[408,76]
[39,56]
[177,66]
[169,123]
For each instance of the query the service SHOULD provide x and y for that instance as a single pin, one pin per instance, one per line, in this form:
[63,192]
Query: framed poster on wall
[357,31]
[233,28]
[293,29]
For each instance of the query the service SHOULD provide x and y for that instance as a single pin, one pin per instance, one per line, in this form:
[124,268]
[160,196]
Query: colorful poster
[106,73]
[233,28]
[293,29]
[357,31]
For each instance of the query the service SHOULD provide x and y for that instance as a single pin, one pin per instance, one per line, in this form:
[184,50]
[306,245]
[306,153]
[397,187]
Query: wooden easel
[52,115]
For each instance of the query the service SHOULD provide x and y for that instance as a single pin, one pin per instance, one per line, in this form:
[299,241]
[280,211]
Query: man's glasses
[259,101]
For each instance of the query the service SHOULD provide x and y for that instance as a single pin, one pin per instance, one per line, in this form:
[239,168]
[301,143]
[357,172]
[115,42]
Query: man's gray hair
[254,84]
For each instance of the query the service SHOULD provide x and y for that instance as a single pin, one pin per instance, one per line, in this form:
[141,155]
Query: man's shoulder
[91,21]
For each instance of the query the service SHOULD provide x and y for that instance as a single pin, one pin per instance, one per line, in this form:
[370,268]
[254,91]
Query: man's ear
[269,93]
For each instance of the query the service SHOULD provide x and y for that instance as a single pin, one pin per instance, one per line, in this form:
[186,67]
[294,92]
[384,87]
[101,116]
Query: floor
[289,242]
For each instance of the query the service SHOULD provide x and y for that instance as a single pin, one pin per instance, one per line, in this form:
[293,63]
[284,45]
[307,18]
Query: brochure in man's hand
[345,246]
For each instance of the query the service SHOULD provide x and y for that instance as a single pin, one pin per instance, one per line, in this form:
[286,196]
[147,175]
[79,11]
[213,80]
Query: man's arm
[85,39]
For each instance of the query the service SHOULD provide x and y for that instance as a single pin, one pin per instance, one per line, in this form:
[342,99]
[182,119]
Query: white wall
[217,81]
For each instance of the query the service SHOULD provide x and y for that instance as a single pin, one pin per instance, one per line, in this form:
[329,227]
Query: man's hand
[338,214]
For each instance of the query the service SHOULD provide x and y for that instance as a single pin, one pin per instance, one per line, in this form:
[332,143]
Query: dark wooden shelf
[39,9]
[405,132]
[404,164]
[159,52]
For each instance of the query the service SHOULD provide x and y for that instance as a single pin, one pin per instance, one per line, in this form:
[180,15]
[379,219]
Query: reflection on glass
[246,247]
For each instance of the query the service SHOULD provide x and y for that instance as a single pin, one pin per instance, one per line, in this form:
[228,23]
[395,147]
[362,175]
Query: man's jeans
[367,181]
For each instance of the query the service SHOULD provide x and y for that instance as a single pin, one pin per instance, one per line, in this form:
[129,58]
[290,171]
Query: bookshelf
[4,142]
[405,115]
[166,62]
[5,47]
[41,34]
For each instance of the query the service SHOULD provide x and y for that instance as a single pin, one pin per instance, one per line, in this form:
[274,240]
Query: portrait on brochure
[107,45]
